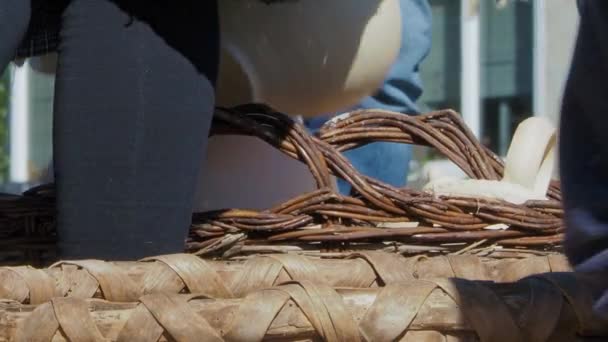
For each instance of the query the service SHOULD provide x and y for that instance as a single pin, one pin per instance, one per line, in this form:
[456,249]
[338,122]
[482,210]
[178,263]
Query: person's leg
[583,149]
[134,100]
[14,21]
[387,161]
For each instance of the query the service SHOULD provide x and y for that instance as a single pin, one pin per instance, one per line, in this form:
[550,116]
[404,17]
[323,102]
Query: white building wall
[556,30]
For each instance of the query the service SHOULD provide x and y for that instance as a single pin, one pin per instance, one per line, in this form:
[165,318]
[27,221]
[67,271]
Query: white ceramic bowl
[306,57]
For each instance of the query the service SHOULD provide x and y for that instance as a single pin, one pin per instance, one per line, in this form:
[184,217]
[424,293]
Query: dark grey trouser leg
[584,149]
[14,21]
[134,101]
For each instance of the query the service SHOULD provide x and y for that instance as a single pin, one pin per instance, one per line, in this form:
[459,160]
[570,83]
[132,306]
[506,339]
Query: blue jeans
[583,148]
[386,161]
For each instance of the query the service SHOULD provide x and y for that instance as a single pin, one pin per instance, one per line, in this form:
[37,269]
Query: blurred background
[497,62]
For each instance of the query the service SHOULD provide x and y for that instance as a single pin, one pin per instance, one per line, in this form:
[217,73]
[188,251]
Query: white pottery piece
[528,168]
[306,57]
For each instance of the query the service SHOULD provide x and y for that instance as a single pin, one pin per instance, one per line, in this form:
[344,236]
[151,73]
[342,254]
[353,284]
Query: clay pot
[306,57]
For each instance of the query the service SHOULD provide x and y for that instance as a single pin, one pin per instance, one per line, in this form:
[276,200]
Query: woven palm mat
[375,216]
[237,277]
[367,296]
[547,307]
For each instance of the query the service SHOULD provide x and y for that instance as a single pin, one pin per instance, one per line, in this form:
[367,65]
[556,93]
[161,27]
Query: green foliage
[4,86]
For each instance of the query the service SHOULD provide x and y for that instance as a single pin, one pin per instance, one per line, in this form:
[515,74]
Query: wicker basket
[376,216]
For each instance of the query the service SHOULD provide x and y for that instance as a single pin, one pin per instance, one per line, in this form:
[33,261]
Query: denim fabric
[583,150]
[385,161]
